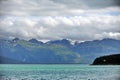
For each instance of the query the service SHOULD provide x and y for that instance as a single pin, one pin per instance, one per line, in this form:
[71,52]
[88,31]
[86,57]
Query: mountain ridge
[57,51]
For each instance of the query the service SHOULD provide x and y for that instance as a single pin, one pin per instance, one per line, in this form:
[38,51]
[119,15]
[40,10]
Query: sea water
[58,72]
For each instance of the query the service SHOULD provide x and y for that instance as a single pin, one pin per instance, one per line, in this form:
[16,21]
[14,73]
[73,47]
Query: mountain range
[58,51]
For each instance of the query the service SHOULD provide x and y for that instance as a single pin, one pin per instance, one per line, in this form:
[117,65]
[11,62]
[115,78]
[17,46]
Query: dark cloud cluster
[88,4]
[53,7]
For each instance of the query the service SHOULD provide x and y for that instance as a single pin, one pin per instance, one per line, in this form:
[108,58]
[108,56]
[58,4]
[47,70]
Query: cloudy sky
[58,19]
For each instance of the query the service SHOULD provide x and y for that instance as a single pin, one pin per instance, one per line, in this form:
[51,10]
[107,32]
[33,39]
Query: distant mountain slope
[58,51]
[4,60]
[32,52]
[91,49]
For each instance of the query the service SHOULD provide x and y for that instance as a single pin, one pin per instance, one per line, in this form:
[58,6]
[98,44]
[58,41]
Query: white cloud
[51,28]
[56,19]
[114,35]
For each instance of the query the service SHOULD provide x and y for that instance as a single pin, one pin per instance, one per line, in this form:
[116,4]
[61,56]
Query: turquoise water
[58,72]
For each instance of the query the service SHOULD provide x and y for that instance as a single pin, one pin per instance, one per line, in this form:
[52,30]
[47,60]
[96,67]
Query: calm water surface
[58,72]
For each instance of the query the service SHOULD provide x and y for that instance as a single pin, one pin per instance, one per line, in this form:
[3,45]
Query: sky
[78,20]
